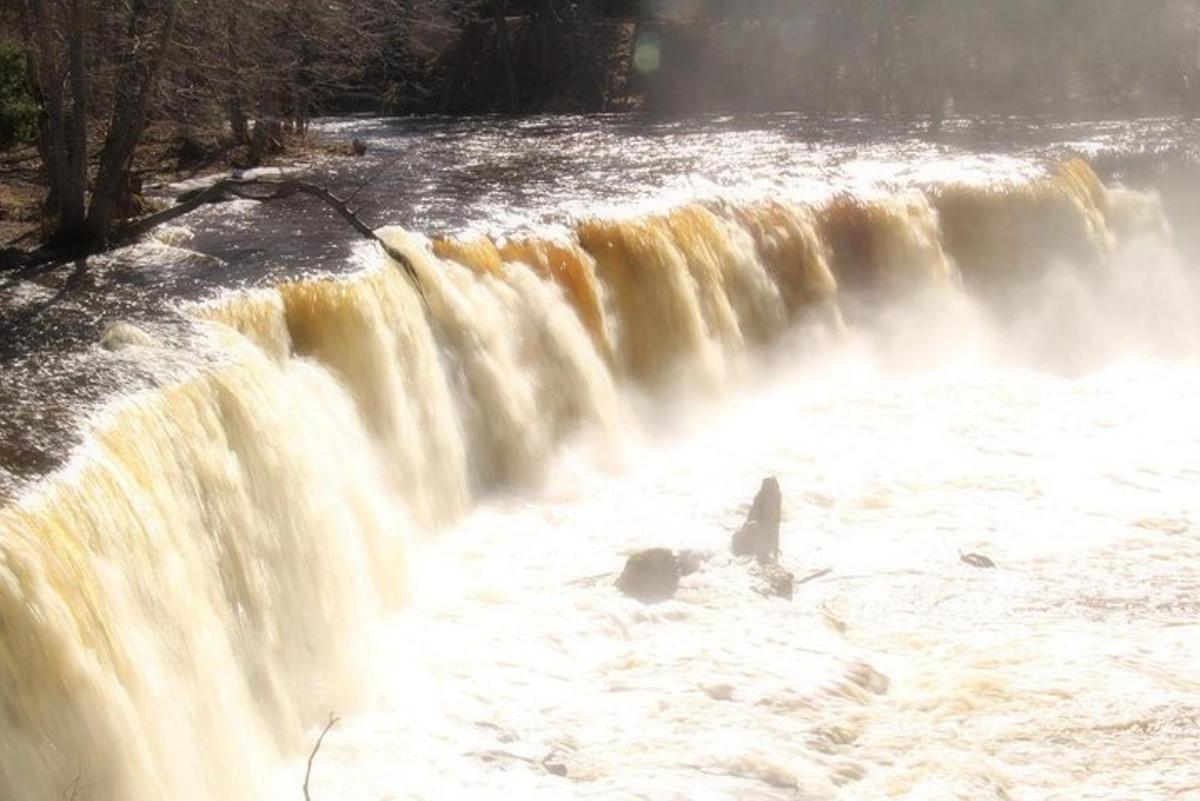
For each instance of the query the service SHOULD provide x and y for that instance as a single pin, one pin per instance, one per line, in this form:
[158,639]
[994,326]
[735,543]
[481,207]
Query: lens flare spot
[647,53]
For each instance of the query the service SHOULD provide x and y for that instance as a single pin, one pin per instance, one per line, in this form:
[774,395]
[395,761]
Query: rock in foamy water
[759,535]
[976,560]
[650,576]
[121,335]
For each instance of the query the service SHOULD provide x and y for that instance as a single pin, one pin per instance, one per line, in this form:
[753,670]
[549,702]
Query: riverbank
[166,156]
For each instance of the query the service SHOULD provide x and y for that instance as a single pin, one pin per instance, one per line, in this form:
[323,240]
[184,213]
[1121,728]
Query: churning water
[297,483]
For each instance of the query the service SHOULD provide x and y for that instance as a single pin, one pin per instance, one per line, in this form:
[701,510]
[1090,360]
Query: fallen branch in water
[308,771]
[546,763]
[31,264]
[590,581]
[253,189]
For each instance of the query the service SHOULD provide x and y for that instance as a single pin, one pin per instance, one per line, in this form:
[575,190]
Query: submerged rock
[774,580]
[759,535]
[651,576]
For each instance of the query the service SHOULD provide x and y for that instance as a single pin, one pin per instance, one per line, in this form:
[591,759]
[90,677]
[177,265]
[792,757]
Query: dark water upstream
[225,453]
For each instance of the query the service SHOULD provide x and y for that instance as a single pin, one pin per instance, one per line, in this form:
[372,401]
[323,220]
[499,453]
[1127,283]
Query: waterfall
[200,582]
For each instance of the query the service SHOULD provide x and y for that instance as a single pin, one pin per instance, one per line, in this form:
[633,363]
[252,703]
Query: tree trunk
[504,44]
[234,101]
[461,58]
[135,84]
[62,134]
[77,163]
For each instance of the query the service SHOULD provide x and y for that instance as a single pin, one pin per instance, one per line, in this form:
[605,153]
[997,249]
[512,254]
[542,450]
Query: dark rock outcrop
[759,535]
[650,576]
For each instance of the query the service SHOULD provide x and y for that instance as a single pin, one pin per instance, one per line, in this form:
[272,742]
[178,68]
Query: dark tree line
[255,71]
[1064,57]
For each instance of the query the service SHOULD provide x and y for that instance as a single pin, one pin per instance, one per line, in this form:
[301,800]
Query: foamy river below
[1071,671]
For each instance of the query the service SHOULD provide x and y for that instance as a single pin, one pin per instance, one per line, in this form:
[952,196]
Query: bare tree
[55,48]
[151,27]
[67,43]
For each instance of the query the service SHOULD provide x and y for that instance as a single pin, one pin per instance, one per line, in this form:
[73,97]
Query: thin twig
[814,576]
[308,771]
[375,176]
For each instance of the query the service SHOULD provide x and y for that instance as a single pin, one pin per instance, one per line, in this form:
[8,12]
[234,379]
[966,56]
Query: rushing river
[256,475]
